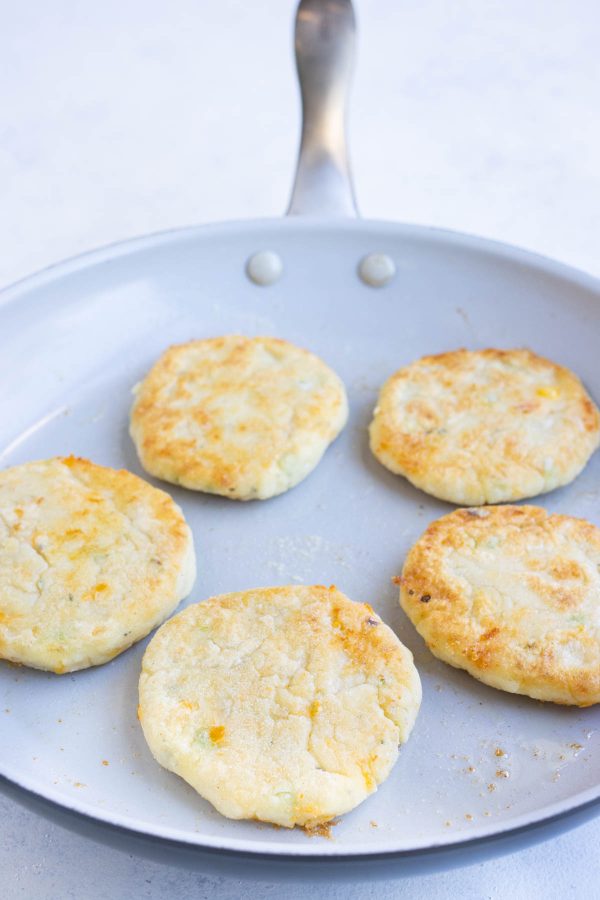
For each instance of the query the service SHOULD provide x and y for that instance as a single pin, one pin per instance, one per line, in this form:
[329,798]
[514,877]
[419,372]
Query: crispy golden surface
[281,704]
[244,417]
[91,559]
[487,426]
[512,595]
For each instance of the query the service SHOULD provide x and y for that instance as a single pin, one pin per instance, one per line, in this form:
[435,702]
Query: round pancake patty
[485,426]
[91,560]
[244,417]
[512,595]
[281,704]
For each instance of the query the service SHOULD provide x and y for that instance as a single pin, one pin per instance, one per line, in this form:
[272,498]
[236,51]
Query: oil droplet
[264,267]
[376,269]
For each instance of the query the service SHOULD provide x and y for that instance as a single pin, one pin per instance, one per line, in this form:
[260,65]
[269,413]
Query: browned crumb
[104,762]
[448,823]
[575,747]
[502,773]
[321,829]
[491,787]
[373,824]
[79,784]
[499,752]
[469,817]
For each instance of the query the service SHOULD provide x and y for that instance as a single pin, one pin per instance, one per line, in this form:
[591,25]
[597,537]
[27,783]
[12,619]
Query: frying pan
[484,771]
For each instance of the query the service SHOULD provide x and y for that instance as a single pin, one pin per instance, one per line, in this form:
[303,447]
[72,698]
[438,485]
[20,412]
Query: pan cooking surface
[73,342]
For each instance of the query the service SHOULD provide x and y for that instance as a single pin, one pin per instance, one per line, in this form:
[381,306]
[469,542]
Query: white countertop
[127,117]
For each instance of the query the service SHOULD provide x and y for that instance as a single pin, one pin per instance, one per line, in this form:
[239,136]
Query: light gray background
[127,117]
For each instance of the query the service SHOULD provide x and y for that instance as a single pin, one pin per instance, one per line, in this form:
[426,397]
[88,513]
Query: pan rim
[588,799]
[128,246]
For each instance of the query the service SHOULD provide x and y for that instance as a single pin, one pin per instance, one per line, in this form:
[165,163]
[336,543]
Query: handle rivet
[264,267]
[376,269]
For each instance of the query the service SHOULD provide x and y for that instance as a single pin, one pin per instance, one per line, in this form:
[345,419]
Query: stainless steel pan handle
[324,39]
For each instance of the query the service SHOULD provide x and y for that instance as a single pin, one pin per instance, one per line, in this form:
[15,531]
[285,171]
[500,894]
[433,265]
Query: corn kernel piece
[216,733]
[552,393]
